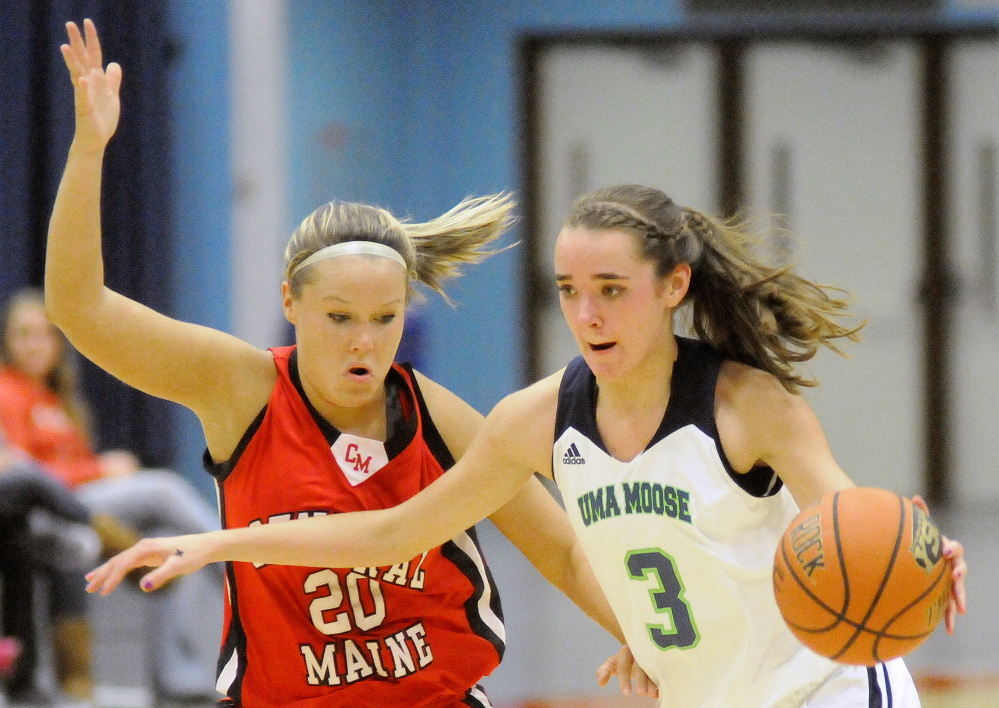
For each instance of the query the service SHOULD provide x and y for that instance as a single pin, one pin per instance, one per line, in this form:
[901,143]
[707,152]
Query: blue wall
[413,106]
[202,183]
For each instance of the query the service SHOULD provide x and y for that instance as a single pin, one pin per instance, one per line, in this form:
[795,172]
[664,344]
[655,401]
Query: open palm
[95,87]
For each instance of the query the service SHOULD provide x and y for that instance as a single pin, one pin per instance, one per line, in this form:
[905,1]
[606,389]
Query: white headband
[353,248]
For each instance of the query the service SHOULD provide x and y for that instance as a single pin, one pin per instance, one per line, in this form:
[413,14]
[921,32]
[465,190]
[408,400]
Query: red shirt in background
[33,419]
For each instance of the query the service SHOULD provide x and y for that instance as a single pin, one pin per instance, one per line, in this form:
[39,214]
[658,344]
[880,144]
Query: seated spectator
[43,414]
[45,534]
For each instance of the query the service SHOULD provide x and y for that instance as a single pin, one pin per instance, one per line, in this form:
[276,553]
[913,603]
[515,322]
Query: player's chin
[605,364]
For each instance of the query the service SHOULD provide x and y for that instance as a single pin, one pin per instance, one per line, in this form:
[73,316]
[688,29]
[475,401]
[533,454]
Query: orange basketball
[860,577]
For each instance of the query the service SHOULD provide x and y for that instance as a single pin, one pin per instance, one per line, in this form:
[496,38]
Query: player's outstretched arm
[532,521]
[74,274]
[491,472]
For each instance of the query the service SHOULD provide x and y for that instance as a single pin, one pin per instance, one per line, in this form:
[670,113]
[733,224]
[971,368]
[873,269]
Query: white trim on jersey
[464,543]
[479,695]
[228,674]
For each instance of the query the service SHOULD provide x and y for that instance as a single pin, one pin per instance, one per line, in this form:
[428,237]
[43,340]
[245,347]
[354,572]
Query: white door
[612,116]
[833,141]
[974,138]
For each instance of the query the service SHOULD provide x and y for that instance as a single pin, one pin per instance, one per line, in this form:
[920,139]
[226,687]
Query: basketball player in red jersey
[330,425]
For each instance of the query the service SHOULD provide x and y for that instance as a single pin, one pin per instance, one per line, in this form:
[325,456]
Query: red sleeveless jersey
[420,633]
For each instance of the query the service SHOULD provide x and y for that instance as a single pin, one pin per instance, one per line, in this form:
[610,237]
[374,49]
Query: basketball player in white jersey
[681,461]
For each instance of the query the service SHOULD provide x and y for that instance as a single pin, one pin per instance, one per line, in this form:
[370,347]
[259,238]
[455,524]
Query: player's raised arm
[75,271]
[173,360]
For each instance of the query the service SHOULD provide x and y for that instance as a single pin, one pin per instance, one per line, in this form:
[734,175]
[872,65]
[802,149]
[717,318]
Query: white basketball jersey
[683,547]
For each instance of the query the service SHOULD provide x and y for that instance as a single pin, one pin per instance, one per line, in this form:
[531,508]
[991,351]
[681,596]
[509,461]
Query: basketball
[860,577]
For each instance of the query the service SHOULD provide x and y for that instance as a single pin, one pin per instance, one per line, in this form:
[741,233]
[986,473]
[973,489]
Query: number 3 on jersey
[667,597]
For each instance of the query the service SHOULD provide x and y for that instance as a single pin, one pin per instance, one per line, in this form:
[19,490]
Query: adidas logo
[572,456]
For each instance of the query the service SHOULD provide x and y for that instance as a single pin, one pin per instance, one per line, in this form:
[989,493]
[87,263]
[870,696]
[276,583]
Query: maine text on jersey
[353,601]
[636,498]
[344,661]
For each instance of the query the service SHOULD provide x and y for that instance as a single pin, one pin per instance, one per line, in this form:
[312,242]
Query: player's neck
[365,419]
[643,390]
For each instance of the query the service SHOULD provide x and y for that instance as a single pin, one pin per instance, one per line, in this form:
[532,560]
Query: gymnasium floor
[971,693]
[971,696]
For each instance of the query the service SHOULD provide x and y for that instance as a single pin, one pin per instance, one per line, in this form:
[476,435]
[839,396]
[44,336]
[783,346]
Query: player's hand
[954,553]
[624,666]
[169,556]
[95,89]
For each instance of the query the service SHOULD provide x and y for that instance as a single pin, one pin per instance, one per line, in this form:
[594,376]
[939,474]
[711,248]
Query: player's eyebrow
[347,302]
[596,276]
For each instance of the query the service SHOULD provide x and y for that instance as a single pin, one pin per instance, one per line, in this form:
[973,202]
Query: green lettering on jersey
[651,498]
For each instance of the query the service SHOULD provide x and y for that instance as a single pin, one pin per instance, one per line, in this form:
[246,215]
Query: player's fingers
[106,577]
[957,602]
[75,38]
[157,578]
[960,599]
[93,43]
[605,671]
[646,687]
[96,578]
[147,552]
[114,77]
[72,63]
[640,679]
[958,591]
[625,666]
[954,552]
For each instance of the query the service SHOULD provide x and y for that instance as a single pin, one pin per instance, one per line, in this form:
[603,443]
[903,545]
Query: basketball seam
[839,556]
[837,617]
[884,634]
[862,626]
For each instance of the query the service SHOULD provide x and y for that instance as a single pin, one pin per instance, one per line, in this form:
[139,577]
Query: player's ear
[676,284]
[288,302]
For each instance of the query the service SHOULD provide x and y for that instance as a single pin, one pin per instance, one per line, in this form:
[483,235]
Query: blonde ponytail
[458,236]
[433,250]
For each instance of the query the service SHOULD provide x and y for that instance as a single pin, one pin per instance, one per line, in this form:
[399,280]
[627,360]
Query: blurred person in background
[45,534]
[44,415]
